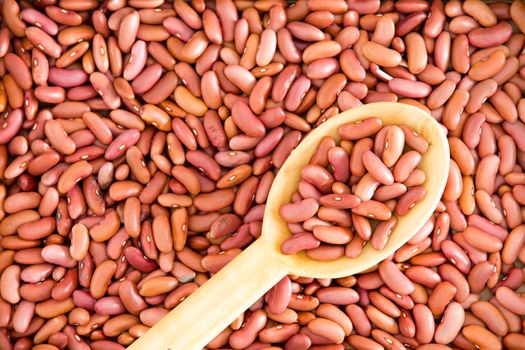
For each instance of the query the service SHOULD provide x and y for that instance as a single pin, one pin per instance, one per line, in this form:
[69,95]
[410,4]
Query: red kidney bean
[498,35]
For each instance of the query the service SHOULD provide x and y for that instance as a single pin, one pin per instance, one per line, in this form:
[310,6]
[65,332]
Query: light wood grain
[203,315]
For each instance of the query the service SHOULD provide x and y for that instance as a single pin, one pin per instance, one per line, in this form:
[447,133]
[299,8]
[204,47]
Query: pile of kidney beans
[329,205]
[139,140]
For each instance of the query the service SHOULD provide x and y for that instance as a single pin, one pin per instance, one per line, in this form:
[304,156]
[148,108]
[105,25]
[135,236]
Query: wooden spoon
[212,307]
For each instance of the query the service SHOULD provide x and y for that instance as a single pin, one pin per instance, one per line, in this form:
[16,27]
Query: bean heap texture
[348,192]
[139,140]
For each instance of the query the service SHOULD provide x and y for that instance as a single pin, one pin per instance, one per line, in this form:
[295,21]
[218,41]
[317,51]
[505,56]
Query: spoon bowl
[435,164]
[211,308]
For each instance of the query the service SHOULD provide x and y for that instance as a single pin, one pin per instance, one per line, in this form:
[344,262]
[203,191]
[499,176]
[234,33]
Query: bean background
[139,140]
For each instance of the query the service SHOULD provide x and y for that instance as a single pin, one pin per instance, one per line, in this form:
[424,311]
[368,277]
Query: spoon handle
[212,307]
